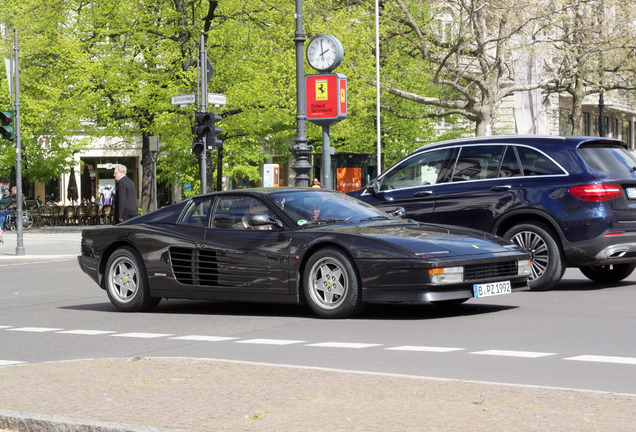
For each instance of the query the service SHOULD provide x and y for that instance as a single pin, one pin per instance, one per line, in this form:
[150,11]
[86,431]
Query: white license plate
[492,289]
[631,192]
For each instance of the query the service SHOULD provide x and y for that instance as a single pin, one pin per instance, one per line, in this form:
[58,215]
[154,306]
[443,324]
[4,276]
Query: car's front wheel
[331,285]
[608,273]
[127,282]
[547,265]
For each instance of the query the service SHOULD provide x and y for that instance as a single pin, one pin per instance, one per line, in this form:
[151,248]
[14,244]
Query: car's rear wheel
[608,273]
[547,259]
[127,282]
[331,285]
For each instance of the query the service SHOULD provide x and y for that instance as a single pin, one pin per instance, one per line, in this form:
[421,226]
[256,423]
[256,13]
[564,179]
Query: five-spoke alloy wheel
[127,283]
[331,285]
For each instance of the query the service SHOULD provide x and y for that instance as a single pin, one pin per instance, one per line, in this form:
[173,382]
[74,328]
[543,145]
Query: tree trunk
[578,94]
[146,177]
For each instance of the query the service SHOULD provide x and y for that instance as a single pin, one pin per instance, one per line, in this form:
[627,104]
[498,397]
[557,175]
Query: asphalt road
[579,335]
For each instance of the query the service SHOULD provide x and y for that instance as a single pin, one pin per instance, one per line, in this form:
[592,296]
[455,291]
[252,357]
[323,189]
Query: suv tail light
[597,192]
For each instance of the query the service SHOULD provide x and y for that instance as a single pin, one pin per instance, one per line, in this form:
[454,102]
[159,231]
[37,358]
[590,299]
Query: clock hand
[323,53]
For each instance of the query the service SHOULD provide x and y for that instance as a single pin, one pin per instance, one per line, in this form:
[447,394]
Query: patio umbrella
[86,183]
[72,187]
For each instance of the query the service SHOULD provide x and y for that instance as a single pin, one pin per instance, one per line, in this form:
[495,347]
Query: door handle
[423,193]
[501,188]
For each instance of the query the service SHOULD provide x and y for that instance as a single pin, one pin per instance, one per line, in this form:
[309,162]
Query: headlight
[524,267]
[446,275]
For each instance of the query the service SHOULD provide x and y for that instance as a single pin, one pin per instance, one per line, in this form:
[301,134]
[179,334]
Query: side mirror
[263,219]
[372,187]
[398,212]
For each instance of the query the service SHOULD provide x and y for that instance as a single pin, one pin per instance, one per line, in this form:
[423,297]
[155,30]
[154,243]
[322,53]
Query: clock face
[324,53]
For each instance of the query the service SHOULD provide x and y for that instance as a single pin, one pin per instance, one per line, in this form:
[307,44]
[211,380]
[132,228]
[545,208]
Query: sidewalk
[177,394]
[206,395]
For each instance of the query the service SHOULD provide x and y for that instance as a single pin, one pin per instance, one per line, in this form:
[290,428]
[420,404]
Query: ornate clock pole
[300,150]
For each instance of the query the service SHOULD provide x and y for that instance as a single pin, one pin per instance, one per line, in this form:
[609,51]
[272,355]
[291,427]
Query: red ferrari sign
[326,98]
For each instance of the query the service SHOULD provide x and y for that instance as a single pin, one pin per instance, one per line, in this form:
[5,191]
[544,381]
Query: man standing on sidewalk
[125,202]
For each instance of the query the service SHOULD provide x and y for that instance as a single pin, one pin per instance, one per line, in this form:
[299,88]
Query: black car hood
[433,240]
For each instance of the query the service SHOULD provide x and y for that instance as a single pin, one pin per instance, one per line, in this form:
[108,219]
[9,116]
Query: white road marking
[142,335]
[604,359]
[505,353]
[343,345]
[9,362]
[424,349]
[87,332]
[270,341]
[282,342]
[204,338]
[34,329]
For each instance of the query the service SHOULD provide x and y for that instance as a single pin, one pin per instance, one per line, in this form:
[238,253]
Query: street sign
[183,99]
[217,99]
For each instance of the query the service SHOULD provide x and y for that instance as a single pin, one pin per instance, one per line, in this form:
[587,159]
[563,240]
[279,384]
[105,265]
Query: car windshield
[320,206]
[608,159]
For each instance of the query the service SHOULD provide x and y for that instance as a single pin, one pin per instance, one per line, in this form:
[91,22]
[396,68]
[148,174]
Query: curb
[30,422]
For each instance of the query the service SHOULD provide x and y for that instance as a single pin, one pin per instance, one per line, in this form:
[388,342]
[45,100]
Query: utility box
[271,175]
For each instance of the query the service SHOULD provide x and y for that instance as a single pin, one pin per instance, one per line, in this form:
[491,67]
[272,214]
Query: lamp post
[300,150]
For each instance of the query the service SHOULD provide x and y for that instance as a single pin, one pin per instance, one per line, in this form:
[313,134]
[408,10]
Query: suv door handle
[501,188]
[425,193]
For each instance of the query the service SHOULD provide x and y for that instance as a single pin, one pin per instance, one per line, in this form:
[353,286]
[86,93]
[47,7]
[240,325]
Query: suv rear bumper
[603,250]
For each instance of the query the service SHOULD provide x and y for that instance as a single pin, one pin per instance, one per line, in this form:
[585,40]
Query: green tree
[464,48]
[592,51]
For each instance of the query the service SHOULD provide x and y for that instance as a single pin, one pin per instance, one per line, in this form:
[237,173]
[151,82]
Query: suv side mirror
[373,187]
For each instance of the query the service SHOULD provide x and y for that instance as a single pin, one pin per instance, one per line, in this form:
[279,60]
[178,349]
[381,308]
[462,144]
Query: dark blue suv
[571,201]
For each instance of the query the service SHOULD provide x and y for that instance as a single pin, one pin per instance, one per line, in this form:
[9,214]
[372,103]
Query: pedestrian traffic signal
[197,147]
[202,123]
[7,130]
[212,141]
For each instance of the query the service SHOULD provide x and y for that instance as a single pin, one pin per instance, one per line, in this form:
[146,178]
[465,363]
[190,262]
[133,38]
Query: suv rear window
[607,158]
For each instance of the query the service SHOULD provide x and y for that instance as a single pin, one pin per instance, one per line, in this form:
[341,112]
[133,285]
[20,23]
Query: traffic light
[202,123]
[211,139]
[7,129]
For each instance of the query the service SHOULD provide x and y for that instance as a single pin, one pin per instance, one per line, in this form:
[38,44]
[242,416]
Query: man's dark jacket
[125,203]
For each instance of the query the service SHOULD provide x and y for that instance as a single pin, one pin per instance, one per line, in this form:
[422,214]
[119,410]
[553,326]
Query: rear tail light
[597,192]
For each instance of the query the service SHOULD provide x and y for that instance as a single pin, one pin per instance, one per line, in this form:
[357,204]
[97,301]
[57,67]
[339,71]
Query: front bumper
[430,293]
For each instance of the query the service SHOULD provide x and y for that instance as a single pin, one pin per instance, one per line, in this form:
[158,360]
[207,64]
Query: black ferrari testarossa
[296,245]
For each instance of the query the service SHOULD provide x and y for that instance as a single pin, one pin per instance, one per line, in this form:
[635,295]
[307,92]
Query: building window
[615,128]
[626,133]
[586,124]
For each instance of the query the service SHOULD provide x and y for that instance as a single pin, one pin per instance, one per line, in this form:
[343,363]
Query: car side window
[478,162]
[232,212]
[421,170]
[198,213]
[535,163]
[510,164]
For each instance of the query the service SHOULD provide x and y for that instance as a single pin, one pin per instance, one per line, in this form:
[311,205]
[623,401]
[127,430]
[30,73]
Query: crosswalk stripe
[269,341]
[424,349]
[142,335]
[34,329]
[505,353]
[204,338]
[344,345]
[87,332]
[604,359]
